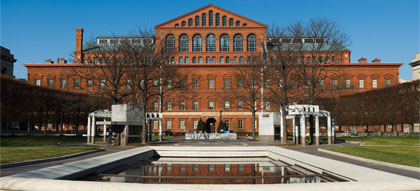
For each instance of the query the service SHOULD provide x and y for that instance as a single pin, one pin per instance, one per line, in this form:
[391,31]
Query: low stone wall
[210,136]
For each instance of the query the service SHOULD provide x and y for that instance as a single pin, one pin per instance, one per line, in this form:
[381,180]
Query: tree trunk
[29,129]
[253,125]
[61,129]
[45,129]
[363,130]
[379,131]
[283,113]
[143,126]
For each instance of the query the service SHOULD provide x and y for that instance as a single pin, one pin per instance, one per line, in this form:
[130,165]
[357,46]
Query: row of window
[210,21]
[210,167]
[210,104]
[240,124]
[197,44]
[76,83]
[211,83]
[214,60]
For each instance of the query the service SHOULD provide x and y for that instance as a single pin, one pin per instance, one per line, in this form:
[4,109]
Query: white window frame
[211,84]
[155,124]
[211,105]
[361,84]
[227,105]
[168,124]
[181,124]
[195,124]
[374,83]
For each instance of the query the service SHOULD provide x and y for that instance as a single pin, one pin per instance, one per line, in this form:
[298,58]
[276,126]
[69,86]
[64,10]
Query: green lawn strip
[10,154]
[38,140]
[156,137]
[400,141]
[393,154]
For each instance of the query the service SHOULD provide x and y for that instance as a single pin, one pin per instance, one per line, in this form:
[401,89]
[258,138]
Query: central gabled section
[210,16]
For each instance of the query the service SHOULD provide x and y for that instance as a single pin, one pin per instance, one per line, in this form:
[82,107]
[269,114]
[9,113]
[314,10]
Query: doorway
[210,125]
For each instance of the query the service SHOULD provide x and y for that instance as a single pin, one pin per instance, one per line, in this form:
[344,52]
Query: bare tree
[248,93]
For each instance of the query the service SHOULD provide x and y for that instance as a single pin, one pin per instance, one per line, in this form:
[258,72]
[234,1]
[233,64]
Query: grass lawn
[10,154]
[399,150]
[23,148]
[156,137]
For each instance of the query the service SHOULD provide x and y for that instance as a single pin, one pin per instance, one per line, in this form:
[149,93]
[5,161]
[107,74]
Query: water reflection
[217,173]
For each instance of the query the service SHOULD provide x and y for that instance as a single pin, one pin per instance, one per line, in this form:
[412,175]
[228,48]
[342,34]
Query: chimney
[78,54]
[49,61]
[376,60]
[362,60]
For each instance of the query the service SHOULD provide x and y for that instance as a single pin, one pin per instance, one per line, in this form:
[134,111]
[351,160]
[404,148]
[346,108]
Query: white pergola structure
[301,112]
[93,122]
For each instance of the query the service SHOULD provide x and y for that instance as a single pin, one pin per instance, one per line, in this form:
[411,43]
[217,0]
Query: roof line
[209,5]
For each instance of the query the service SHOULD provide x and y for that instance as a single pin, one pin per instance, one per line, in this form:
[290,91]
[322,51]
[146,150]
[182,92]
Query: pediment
[206,9]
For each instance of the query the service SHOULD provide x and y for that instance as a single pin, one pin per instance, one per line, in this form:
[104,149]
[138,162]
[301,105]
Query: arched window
[227,60]
[190,22]
[222,60]
[251,43]
[241,59]
[238,23]
[244,24]
[183,24]
[207,59]
[230,22]
[197,43]
[224,43]
[210,18]
[186,60]
[177,25]
[214,59]
[96,60]
[200,60]
[170,43]
[183,43]
[172,60]
[194,60]
[237,43]
[235,59]
[224,21]
[197,21]
[203,19]
[180,60]
[210,43]
[217,19]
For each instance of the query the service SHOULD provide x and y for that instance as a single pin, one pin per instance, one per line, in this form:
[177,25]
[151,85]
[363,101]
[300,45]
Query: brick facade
[211,64]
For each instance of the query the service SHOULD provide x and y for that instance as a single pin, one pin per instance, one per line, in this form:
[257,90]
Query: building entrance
[210,125]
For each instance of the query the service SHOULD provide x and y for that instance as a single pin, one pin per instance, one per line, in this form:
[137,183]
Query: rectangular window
[211,83]
[195,105]
[76,83]
[280,83]
[102,84]
[226,84]
[195,124]
[195,83]
[227,123]
[227,167]
[195,167]
[169,84]
[321,84]
[347,83]
[374,84]
[168,124]
[155,106]
[388,82]
[226,105]
[182,84]
[50,83]
[38,82]
[267,105]
[168,106]
[89,84]
[361,84]
[240,124]
[254,84]
[155,83]
[240,105]
[63,84]
[334,83]
[181,124]
[128,84]
[240,85]
[155,124]
[241,167]
[182,106]
[211,105]
[267,83]
[211,167]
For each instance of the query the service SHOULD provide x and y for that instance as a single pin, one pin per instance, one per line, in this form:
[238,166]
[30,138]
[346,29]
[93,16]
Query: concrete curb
[9,165]
[399,166]
[355,142]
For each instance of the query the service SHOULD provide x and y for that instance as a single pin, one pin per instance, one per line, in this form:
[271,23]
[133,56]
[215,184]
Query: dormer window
[309,40]
[320,40]
[103,41]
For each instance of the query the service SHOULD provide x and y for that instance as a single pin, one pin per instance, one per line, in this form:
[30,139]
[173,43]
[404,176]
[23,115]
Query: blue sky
[36,30]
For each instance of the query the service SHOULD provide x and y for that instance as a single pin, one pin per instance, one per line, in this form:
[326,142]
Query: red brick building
[212,42]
